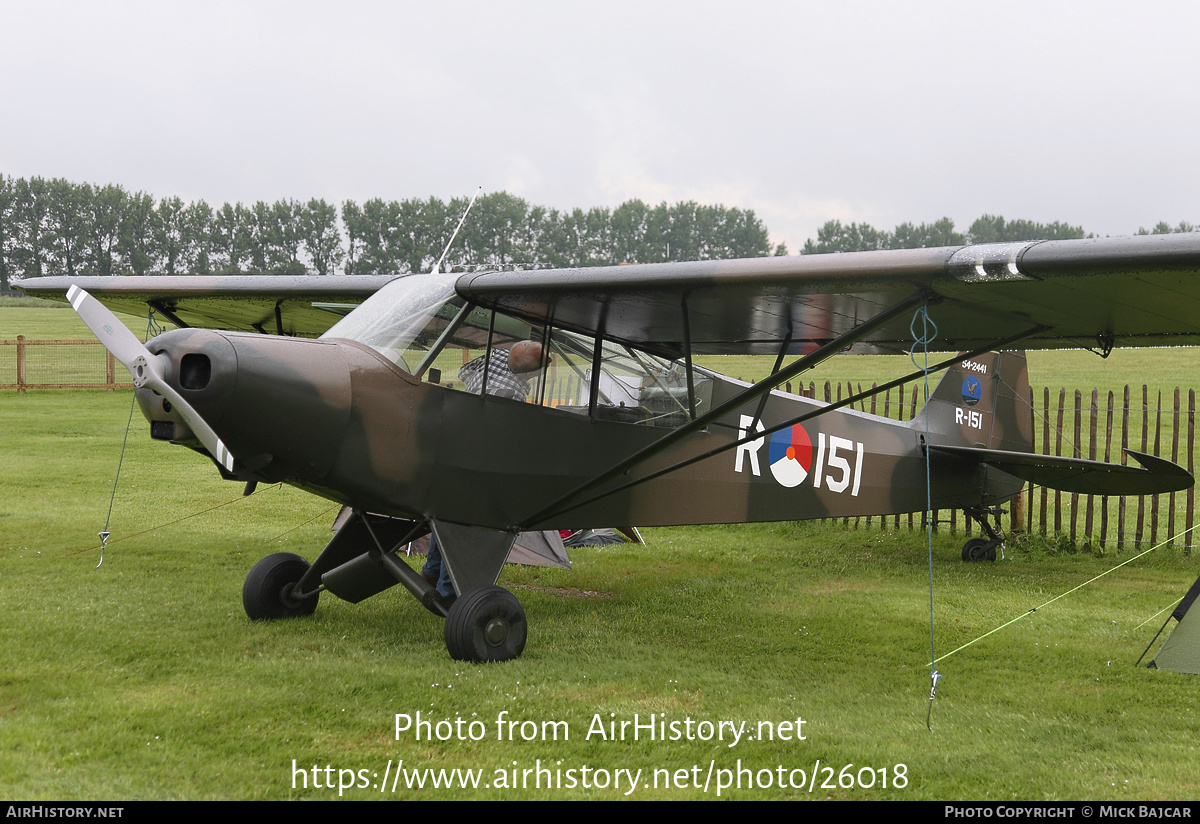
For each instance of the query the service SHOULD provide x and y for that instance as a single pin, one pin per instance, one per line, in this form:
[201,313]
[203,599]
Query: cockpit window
[420,324]
[632,386]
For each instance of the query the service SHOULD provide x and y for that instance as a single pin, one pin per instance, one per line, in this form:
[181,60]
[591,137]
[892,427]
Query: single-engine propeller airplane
[618,425]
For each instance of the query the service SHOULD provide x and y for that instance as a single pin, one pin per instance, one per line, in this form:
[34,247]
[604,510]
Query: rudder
[983,402]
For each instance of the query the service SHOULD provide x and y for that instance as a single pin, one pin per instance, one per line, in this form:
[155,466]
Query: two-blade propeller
[145,367]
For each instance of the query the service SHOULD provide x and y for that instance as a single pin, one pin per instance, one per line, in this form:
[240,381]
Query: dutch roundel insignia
[790,455]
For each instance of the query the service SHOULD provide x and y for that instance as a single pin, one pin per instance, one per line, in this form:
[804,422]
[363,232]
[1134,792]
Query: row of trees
[835,236]
[56,227]
[505,231]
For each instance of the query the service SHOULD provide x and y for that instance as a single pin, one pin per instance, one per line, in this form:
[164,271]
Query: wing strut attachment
[921,297]
[762,402]
[161,307]
[597,360]
[687,358]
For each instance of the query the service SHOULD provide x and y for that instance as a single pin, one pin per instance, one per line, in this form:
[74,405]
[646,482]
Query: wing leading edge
[1131,291]
[274,304]
[1096,292]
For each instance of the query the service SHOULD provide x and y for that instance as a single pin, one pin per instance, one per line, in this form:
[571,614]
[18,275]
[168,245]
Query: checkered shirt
[501,380]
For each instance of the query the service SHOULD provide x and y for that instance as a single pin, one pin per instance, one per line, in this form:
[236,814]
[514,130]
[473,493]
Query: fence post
[110,375]
[1156,453]
[1017,514]
[1141,509]
[1058,438]
[1093,414]
[1124,460]
[1174,460]
[1108,430]
[1076,453]
[1044,491]
[1191,491]
[20,363]
[1029,487]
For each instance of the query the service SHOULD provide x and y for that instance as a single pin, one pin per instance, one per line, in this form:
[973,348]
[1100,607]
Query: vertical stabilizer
[983,402]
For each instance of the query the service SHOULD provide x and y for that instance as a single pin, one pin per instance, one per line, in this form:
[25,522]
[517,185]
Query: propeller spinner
[145,367]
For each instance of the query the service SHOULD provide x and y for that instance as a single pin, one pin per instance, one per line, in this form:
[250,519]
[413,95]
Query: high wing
[1095,293]
[303,306]
[1129,291]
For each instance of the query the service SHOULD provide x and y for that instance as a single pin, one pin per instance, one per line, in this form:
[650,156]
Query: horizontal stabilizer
[1153,477]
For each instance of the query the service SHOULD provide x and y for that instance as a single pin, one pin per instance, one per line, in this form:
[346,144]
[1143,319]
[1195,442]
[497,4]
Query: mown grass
[38,319]
[17,299]
[143,678]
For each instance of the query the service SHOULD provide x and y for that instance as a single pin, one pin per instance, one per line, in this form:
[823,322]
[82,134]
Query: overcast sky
[803,112]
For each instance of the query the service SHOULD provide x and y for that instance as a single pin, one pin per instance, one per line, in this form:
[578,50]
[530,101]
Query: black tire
[267,593]
[486,624]
[979,549]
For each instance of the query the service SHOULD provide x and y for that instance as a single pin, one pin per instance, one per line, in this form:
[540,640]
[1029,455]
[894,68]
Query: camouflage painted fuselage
[338,419]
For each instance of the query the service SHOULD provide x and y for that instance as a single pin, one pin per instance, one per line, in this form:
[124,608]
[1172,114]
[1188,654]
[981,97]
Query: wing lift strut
[923,297]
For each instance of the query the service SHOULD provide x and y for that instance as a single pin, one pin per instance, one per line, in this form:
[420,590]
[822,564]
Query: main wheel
[979,549]
[267,593]
[486,624]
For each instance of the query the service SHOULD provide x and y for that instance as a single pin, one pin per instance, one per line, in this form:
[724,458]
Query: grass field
[50,321]
[142,678]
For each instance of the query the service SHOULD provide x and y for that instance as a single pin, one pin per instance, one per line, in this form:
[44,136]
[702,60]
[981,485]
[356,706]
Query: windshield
[399,317]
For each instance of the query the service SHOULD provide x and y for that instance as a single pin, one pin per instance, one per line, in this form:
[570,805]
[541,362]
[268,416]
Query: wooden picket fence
[1067,425]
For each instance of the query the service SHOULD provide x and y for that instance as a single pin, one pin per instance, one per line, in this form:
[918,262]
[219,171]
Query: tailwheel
[486,624]
[979,549]
[269,591]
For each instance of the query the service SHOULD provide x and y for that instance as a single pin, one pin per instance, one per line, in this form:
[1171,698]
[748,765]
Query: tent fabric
[1182,609]
[1181,652]
[531,549]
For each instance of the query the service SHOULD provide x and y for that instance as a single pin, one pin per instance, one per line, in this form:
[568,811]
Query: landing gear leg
[486,622]
[984,549]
